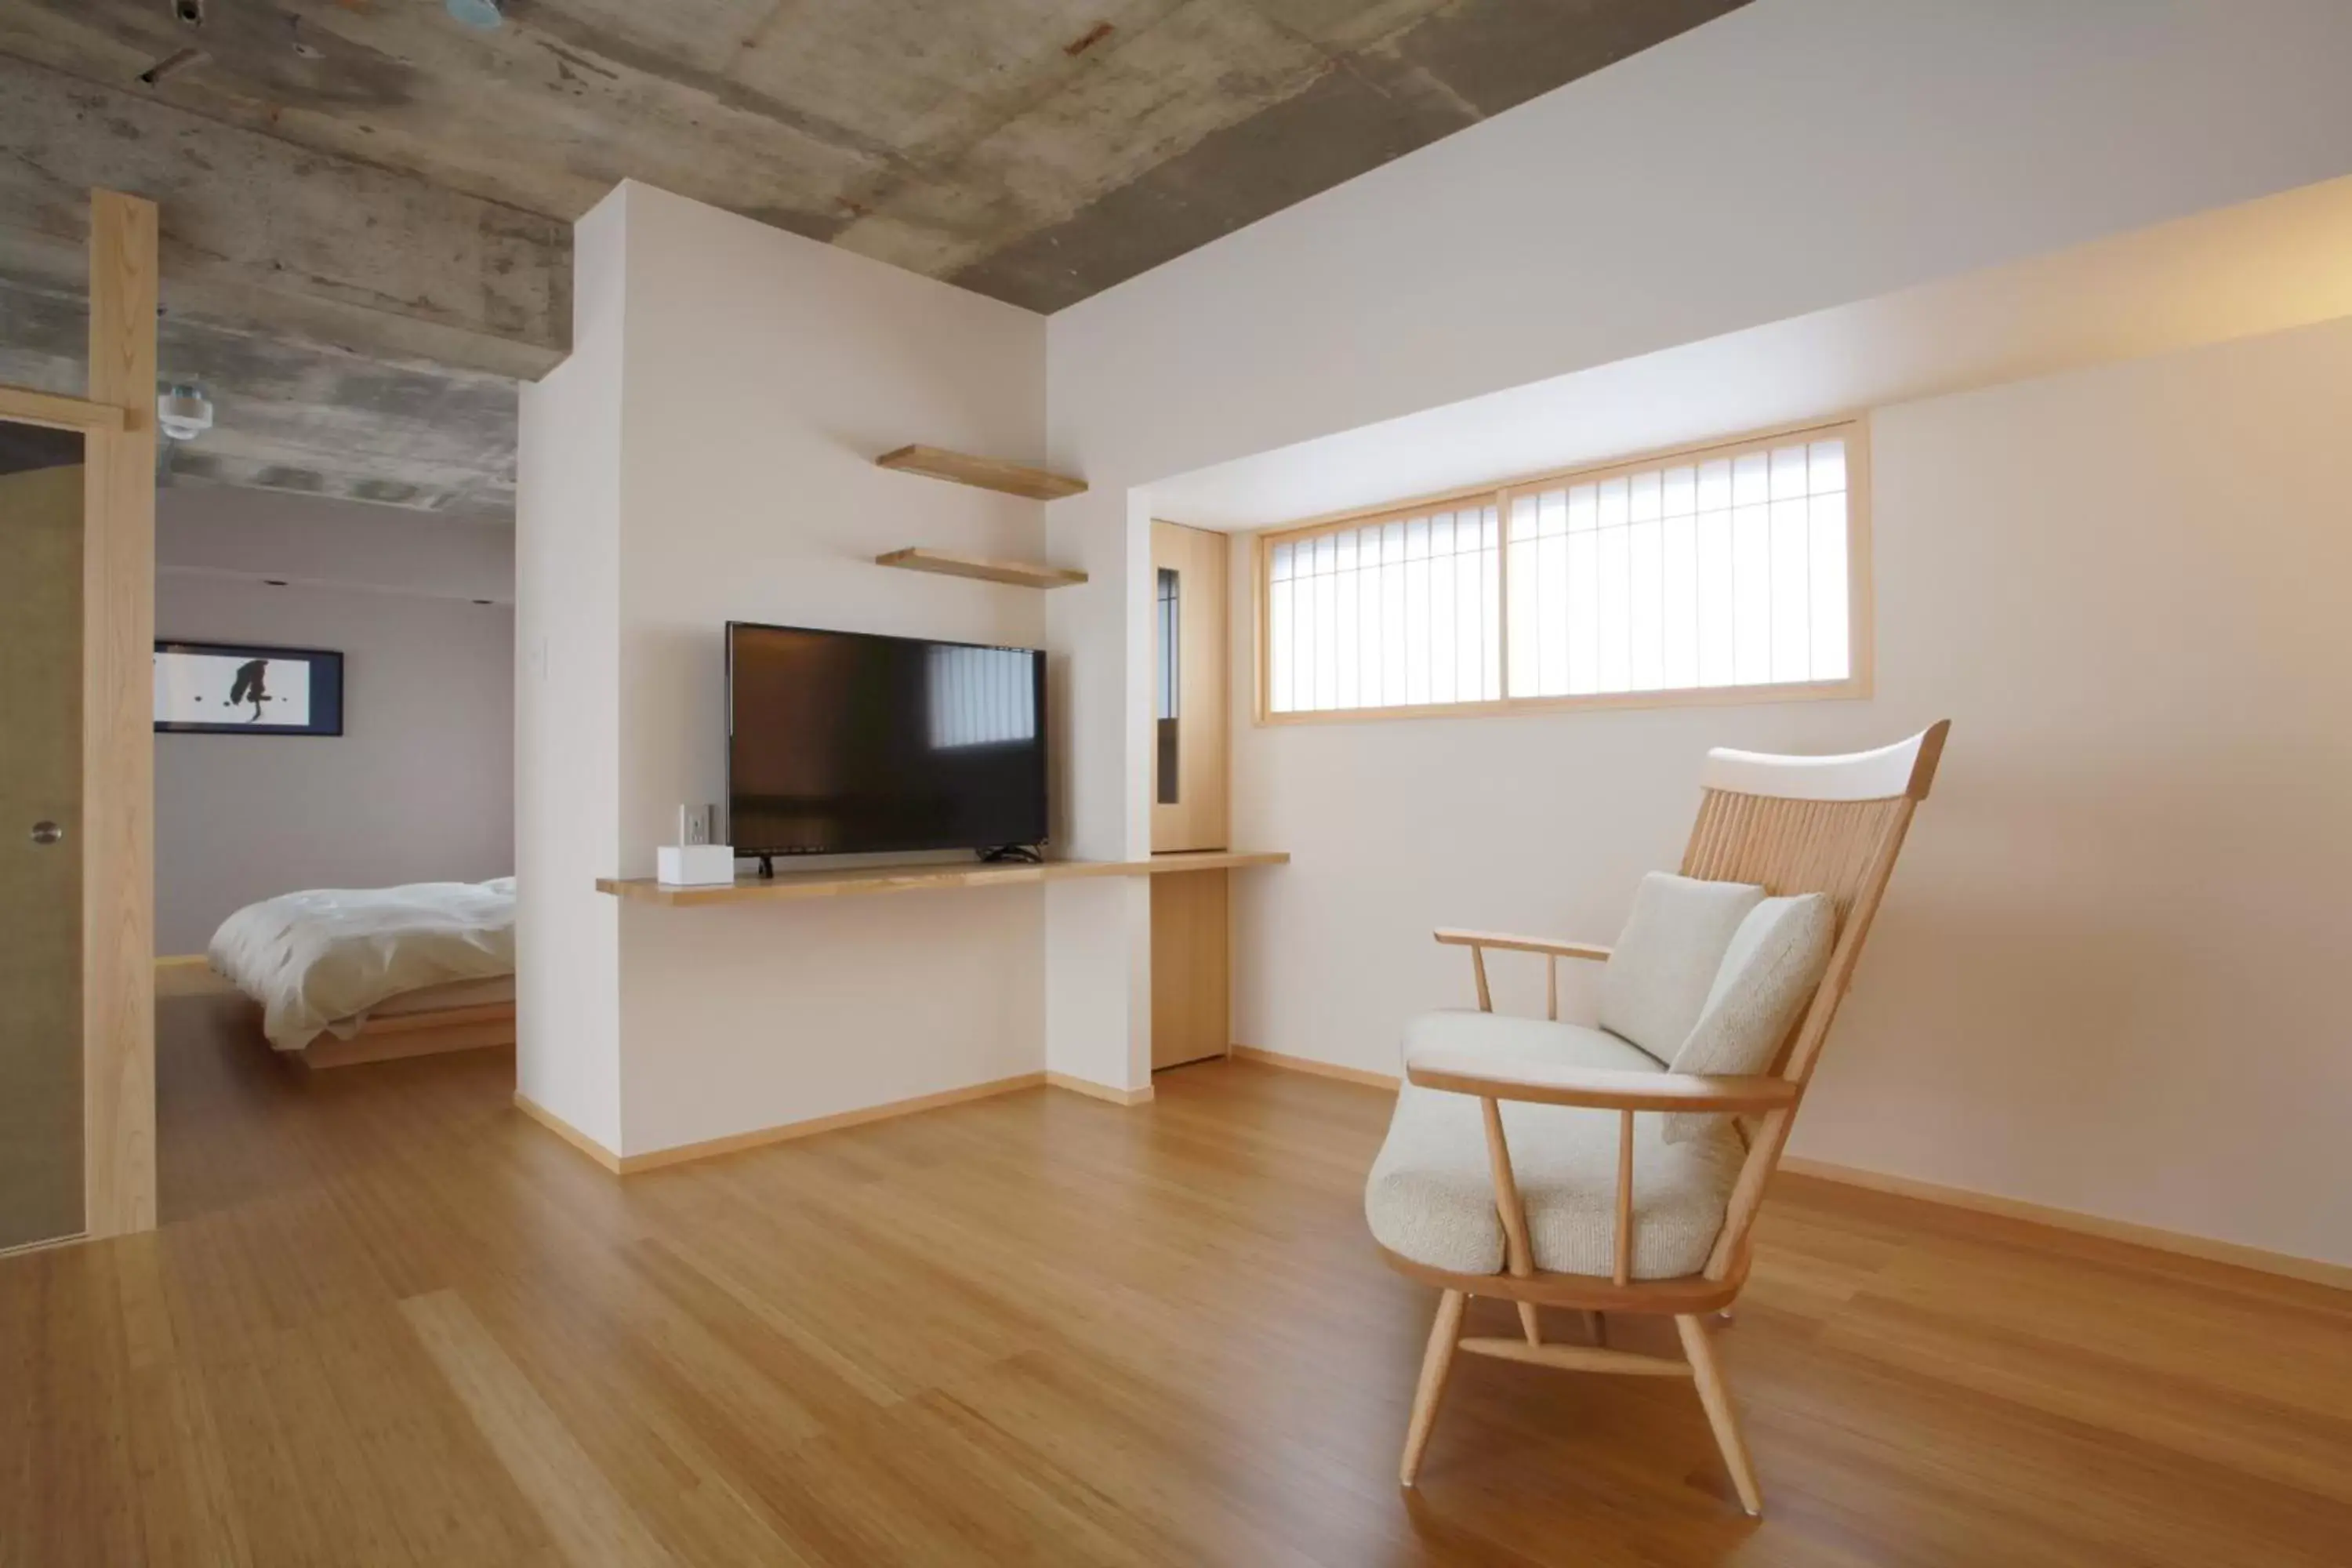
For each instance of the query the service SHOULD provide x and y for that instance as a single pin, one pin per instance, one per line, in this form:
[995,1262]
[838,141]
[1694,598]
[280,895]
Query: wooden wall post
[117,733]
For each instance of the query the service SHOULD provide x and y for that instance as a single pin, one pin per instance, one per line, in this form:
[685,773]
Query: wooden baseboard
[2287,1265]
[25,1248]
[1094,1090]
[710,1148]
[2180,1242]
[569,1134]
[1364,1076]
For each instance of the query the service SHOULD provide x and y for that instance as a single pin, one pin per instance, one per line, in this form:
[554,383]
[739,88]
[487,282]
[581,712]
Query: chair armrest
[1504,942]
[1603,1088]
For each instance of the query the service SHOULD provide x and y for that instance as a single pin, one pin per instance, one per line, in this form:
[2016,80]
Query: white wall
[1792,156]
[322,541]
[2107,976]
[567,705]
[419,786]
[759,375]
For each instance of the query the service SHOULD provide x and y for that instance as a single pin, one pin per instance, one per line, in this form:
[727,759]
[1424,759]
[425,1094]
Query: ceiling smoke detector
[184,413]
[482,16]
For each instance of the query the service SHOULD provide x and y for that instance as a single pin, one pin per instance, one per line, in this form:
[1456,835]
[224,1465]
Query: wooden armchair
[1673,1236]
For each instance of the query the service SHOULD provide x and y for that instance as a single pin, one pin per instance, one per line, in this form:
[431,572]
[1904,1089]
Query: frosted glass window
[1403,613]
[1726,572]
[1723,569]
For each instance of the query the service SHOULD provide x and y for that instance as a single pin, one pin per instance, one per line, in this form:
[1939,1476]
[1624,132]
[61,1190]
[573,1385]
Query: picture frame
[256,688]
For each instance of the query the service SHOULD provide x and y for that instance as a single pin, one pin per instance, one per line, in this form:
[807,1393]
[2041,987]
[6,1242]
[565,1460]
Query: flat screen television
[845,742]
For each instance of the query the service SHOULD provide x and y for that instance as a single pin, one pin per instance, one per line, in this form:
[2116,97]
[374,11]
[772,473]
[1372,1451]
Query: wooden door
[42,474]
[1192,988]
[1190,689]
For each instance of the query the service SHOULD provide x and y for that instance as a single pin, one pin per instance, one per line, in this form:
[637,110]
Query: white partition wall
[567,712]
[708,455]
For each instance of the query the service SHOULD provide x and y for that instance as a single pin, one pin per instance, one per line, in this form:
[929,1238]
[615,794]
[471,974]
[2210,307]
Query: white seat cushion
[1772,968]
[1431,1197]
[1655,985]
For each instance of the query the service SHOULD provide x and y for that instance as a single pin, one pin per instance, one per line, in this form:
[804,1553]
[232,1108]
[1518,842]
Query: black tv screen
[844,742]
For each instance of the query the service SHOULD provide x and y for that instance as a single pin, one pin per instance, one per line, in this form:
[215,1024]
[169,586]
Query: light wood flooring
[387,1320]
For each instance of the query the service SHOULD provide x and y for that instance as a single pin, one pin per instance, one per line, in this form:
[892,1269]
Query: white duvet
[318,961]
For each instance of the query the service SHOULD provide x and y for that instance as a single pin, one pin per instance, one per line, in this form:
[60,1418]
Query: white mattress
[319,961]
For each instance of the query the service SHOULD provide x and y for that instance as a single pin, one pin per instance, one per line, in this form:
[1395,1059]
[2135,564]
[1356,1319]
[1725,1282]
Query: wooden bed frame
[423,1033]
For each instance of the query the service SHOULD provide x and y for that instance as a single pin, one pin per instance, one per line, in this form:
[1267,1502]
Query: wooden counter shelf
[852,881]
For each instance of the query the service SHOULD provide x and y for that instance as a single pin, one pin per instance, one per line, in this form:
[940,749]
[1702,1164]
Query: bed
[359,974]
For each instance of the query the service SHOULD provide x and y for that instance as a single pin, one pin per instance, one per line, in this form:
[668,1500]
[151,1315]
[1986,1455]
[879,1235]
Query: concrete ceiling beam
[260,234]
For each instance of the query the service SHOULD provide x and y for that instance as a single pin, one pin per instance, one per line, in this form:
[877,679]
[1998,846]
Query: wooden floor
[388,1320]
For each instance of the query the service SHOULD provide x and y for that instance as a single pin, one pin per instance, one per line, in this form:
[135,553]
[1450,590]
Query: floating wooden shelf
[988,473]
[861,879]
[1020,573]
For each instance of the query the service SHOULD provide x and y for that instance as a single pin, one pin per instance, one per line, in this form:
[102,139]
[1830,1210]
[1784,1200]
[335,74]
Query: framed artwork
[243,688]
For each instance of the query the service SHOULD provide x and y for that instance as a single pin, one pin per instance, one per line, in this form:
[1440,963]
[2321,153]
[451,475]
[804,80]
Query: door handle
[47,832]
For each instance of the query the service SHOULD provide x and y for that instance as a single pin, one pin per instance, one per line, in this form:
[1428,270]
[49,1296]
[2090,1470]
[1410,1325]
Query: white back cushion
[1655,984]
[1769,973]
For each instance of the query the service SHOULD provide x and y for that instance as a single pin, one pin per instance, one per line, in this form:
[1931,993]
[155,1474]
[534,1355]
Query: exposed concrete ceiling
[375,183]
[293,415]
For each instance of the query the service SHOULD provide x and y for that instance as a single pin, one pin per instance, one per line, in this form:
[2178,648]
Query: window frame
[1861,646]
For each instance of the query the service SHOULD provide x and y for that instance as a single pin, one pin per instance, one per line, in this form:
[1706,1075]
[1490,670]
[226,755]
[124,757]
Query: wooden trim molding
[653,1160]
[1363,1076]
[2179,1243]
[710,1148]
[118,825]
[1102,1092]
[569,1134]
[28,405]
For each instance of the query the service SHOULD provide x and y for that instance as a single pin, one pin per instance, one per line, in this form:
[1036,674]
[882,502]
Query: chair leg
[1529,1324]
[1597,1327]
[1435,1363]
[1708,1373]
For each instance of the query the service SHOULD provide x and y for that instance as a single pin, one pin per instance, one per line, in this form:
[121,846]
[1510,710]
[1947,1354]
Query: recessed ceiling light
[483,15]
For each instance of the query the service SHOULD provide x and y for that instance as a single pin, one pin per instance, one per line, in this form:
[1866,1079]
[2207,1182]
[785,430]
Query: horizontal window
[1727,571]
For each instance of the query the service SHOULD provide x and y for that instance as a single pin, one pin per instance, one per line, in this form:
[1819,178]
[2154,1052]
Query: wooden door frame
[117,422]
[1184,818]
